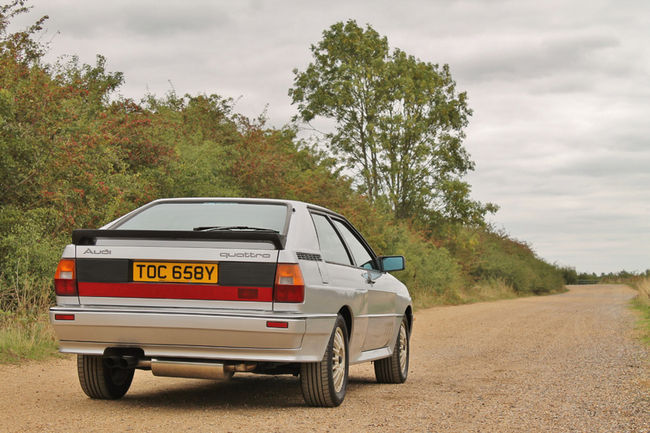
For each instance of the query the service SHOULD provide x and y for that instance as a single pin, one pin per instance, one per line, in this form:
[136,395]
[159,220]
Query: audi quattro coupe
[206,287]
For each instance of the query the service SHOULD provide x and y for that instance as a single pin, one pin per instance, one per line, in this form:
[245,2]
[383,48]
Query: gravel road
[562,363]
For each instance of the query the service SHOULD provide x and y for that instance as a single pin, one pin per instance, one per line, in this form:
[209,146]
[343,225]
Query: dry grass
[643,286]
[490,290]
[26,337]
[642,303]
[25,330]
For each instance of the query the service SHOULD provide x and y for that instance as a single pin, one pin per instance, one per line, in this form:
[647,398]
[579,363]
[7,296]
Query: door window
[359,252]
[331,246]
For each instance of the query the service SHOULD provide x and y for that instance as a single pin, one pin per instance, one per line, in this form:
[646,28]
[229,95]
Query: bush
[515,263]
[29,255]
[569,275]
[432,275]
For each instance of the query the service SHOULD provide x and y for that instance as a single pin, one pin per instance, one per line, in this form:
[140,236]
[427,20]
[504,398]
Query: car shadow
[242,391]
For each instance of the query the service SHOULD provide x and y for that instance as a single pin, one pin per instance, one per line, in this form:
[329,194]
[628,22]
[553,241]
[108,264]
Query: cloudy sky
[560,92]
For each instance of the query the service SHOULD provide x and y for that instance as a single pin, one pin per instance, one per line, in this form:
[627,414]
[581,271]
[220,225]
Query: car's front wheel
[101,381]
[324,383]
[395,368]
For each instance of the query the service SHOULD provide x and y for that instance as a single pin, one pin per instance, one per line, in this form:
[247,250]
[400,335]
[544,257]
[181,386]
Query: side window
[361,255]
[330,244]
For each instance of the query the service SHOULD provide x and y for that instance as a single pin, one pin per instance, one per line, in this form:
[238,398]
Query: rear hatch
[207,254]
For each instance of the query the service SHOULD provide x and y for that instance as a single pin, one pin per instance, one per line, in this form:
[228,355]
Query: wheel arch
[409,318]
[347,316]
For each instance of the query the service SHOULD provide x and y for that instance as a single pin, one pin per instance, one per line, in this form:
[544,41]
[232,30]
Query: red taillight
[64,317]
[65,279]
[289,285]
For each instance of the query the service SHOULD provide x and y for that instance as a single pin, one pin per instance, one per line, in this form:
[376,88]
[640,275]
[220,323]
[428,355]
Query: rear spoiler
[89,236]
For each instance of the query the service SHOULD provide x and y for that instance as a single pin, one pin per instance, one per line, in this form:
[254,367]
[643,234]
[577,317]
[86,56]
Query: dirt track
[557,363]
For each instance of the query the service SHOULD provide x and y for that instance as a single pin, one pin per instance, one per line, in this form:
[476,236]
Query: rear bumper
[204,335]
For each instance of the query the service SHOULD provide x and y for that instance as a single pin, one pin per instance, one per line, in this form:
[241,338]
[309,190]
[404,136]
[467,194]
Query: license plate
[175,272]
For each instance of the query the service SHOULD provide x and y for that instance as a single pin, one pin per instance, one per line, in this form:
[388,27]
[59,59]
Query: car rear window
[191,215]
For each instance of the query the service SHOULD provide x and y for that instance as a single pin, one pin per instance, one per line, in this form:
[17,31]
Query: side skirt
[371,355]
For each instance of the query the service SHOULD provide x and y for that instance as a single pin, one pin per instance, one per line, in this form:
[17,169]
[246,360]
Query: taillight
[65,279]
[289,285]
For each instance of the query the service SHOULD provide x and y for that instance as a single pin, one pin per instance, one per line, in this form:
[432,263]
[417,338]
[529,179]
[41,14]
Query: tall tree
[399,122]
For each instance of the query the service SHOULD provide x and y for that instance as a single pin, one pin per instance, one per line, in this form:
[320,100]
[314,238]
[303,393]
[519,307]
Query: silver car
[206,287]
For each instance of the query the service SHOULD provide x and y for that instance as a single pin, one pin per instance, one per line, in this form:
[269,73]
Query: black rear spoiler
[89,236]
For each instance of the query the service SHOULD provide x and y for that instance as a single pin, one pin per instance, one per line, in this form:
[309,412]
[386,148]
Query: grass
[489,290]
[642,303]
[25,330]
[25,336]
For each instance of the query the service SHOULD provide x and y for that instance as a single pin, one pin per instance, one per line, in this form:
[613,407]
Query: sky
[560,92]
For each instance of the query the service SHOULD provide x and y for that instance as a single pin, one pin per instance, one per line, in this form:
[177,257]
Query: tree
[20,45]
[399,123]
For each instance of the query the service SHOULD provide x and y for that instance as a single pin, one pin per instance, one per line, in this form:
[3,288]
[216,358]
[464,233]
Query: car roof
[294,203]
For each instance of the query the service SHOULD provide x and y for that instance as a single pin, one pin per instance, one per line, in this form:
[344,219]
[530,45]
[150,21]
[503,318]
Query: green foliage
[623,276]
[399,123]
[500,257]
[432,275]
[20,45]
[202,134]
[68,156]
[569,275]
[29,254]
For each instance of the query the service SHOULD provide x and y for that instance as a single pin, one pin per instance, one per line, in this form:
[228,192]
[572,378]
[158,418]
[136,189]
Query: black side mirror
[391,263]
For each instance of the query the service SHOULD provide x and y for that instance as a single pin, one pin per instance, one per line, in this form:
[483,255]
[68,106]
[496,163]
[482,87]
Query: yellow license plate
[175,272]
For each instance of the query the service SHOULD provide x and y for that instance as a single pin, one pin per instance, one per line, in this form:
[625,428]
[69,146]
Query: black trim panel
[246,274]
[89,236]
[103,270]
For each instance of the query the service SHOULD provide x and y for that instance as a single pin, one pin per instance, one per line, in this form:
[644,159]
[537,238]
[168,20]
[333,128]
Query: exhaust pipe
[128,361]
[173,368]
[112,361]
[243,366]
[120,361]
[191,369]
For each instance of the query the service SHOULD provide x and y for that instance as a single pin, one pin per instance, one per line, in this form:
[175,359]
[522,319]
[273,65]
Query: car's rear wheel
[100,381]
[324,383]
[395,368]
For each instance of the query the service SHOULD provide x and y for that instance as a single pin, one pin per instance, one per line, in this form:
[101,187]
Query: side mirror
[391,263]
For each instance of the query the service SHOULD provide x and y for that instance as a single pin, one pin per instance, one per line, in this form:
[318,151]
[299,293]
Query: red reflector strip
[270,324]
[64,317]
[247,293]
[176,291]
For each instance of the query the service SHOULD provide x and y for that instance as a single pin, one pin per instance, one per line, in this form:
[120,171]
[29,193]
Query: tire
[100,381]
[324,383]
[395,368]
